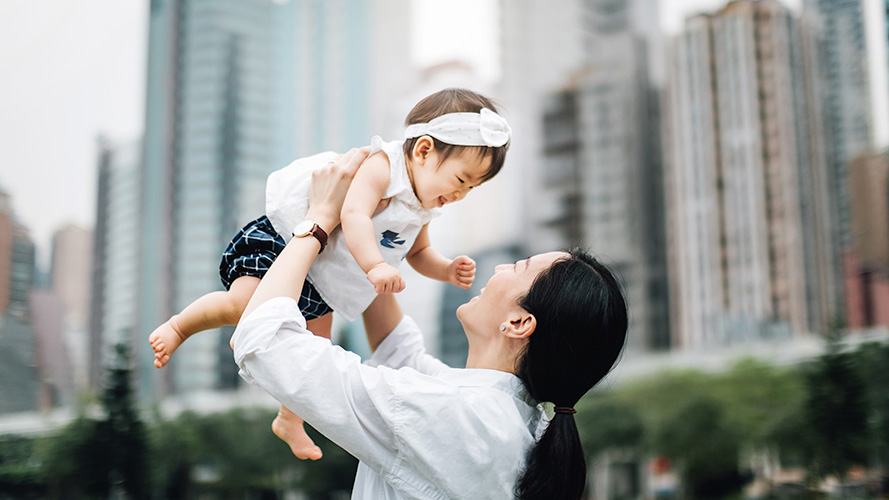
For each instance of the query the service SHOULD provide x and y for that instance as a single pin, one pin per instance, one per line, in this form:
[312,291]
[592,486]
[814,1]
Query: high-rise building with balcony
[747,188]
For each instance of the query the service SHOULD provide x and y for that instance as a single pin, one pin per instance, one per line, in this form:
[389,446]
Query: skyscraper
[18,348]
[237,89]
[22,271]
[842,44]
[594,174]
[118,269]
[747,193]
[6,233]
[70,271]
[71,282]
[868,283]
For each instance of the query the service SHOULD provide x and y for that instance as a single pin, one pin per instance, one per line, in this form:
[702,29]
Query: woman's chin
[462,309]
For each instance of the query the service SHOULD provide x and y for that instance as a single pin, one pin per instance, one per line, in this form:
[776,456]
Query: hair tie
[565,409]
[485,128]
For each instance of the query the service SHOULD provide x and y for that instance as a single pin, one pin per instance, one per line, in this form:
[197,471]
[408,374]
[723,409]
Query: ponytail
[555,467]
[581,328]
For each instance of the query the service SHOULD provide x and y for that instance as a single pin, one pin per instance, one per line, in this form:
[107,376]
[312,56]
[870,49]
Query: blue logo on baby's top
[390,239]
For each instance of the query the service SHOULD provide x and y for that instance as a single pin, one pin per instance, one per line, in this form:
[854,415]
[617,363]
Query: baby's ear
[422,148]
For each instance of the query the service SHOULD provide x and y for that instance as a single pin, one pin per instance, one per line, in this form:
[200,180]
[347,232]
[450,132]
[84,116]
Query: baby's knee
[235,305]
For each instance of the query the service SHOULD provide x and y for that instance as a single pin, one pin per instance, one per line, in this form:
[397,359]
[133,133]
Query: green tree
[605,422]
[240,454]
[704,448]
[173,452]
[91,458]
[78,463]
[873,363]
[236,455]
[332,476]
[20,473]
[756,398]
[836,415]
[124,428]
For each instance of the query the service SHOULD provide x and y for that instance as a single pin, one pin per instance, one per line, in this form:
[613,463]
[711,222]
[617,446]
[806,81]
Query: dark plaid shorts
[251,253]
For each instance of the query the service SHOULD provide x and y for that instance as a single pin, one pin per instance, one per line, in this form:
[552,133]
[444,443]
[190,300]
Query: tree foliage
[606,422]
[827,415]
[93,457]
[20,475]
[836,415]
[124,429]
[705,447]
[873,362]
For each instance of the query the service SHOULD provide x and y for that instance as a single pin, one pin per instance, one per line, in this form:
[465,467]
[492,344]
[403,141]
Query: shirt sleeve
[354,405]
[404,347]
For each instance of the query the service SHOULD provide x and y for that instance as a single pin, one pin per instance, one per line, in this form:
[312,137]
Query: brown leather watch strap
[301,231]
[321,235]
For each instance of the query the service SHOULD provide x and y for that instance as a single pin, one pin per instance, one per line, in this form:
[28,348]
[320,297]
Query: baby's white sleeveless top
[335,273]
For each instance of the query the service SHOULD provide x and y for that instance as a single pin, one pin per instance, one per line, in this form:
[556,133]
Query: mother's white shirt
[420,429]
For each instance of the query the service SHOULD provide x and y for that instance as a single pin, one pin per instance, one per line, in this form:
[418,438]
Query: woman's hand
[329,186]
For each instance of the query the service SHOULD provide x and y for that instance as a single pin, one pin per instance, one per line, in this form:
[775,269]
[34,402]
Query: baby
[454,141]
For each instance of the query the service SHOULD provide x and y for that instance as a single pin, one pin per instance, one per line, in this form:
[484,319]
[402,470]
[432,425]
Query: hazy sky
[72,69]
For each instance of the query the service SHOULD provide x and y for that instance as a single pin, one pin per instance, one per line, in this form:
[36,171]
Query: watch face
[304,228]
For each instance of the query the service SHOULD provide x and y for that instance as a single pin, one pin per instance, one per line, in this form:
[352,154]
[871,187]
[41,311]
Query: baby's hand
[385,278]
[461,271]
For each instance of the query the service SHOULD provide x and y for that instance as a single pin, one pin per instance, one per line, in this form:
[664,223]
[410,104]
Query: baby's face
[438,183]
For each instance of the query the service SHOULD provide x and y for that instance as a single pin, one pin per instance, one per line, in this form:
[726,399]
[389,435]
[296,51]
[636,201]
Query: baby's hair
[455,100]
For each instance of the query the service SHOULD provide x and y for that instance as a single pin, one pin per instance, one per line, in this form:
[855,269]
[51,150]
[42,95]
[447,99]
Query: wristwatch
[308,227]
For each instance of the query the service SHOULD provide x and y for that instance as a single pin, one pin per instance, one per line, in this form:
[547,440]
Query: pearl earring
[502,327]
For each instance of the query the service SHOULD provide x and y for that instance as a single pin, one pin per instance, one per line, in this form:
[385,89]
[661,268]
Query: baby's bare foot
[289,428]
[164,340]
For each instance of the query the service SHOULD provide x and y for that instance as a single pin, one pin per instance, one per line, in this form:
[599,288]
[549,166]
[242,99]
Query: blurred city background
[728,159]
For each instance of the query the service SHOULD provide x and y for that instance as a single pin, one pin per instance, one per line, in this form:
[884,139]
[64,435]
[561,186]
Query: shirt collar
[495,379]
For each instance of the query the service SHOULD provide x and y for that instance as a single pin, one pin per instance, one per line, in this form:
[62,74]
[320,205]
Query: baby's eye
[461,180]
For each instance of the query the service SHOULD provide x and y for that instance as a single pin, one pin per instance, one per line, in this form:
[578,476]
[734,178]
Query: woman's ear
[520,327]
[422,148]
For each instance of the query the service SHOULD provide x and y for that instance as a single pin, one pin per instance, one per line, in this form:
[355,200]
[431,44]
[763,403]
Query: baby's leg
[210,311]
[321,326]
[287,425]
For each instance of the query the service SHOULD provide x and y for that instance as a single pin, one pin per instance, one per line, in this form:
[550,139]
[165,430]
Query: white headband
[485,128]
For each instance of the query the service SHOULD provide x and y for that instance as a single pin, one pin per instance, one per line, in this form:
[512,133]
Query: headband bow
[485,128]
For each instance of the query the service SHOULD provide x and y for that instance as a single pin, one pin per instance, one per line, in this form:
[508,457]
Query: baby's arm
[361,202]
[430,263]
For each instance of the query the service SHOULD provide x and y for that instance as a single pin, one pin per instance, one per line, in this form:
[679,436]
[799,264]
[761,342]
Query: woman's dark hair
[581,328]
[455,101]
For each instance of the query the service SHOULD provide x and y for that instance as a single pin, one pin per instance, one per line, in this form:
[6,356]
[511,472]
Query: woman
[545,329]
